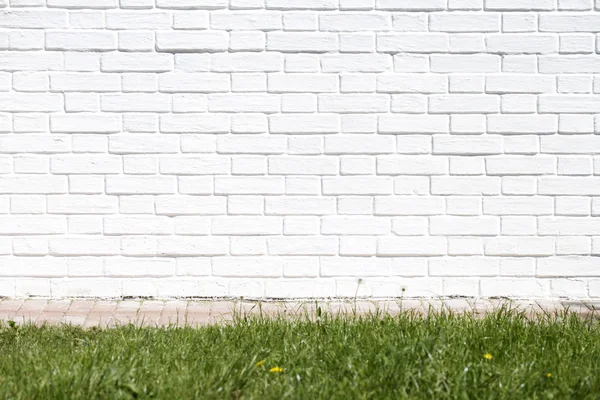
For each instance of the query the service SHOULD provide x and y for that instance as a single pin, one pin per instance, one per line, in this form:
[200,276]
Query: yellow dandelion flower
[260,363]
[276,370]
[549,375]
[488,356]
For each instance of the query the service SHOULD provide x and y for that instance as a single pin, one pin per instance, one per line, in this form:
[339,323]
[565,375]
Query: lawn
[504,355]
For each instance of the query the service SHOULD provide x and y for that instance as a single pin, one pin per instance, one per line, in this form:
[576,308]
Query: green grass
[372,357]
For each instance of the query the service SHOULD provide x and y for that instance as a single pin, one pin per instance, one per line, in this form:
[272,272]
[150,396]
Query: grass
[442,356]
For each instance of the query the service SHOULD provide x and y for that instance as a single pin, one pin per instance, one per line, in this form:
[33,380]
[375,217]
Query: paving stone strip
[108,313]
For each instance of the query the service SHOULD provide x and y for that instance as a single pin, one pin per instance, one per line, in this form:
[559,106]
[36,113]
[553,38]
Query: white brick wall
[292,148]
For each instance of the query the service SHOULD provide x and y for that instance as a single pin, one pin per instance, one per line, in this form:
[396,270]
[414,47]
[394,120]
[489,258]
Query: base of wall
[307,288]
[439,301]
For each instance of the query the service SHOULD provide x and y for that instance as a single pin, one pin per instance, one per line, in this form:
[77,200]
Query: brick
[195,185]
[178,42]
[142,41]
[515,83]
[33,184]
[521,5]
[518,103]
[465,63]
[187,247]
[577,186]
[412,165]
[459,22]
[519,44]
[85,123]
[264,21]
[559,144]
[567,226]
[518,205]
[464,226]
[402,205]
[30,102]
[522,124]
[243,103]
[514,287]
[569,104]
[356,63]
[190,205]
[299,165]
[84,82]
[465,185]
[34,144]
[248,185]
[351,103]
[569,23]
[33,19]
[357,4]
[299,206]
[191,20]
[101,4]
[306,5]
[302,246]
[137,19]
[465,104]
[298,288]
[140,185]
[413,124]
[519,246]
[248,267]
[193,83]
[520,165]
[408,5]
[118,226]
[568,64]
[44,267]
[194,123]
[81,40]
[464,266]
[85,164]
[301,42]
[411,83]
[246,62]
[126,62]
[32,225]
[135,102]
[412,42]
[355,267]
[122,267]
[567,266]
[291,83]
[357,186]
[355,226]
[411,246]
[519,22]
[354,22]
[192,4]
[251,144]
[300,123]
[244,226]
[203,165]
[466,166]
[358,144]
[467,145]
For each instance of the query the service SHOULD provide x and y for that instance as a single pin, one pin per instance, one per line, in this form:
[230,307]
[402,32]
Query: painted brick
[286,148]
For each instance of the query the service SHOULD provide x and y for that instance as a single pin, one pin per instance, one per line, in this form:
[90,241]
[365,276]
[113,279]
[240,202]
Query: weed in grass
[505,355]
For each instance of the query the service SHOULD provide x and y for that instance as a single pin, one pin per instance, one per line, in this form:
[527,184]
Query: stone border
[109,313]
